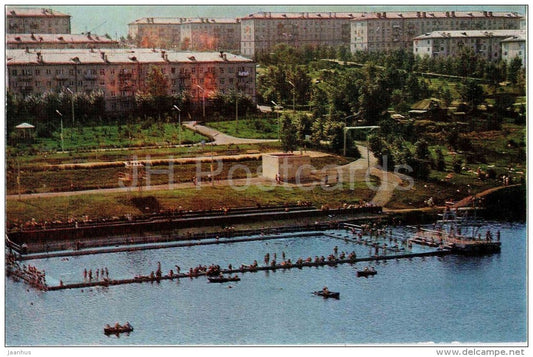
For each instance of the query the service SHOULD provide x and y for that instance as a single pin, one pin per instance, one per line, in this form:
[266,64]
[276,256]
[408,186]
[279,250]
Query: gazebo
[26,129]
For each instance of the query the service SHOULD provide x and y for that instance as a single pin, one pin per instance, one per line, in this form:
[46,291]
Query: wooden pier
[247,269]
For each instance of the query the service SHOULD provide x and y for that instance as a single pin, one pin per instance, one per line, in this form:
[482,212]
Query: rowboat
[366,273]
[329,294]
[108,330]
[223,279]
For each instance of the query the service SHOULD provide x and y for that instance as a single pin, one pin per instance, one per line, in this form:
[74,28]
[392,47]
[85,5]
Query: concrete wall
[288,166]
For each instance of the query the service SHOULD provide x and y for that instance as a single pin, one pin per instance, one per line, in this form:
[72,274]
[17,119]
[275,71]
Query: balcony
[243,74]
[61,77]
[90,76]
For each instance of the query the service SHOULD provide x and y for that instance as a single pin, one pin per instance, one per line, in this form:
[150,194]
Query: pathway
[220,138]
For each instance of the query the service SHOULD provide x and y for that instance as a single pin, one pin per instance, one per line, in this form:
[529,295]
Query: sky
[114,19]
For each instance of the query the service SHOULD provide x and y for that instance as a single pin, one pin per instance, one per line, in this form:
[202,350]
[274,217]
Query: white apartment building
[42,41]
[261,31]
[191,34]
[120,73]
[486,43]
[515,46]
[33,20]
[385,31]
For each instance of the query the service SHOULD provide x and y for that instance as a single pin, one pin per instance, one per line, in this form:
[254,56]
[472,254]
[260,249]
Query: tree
[472,92]
[514,69]
[154,97]
[289,140]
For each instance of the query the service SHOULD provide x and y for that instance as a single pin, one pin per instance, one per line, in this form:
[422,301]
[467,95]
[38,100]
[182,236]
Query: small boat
[223,279]
[108,330]
[329,294]
[366,273]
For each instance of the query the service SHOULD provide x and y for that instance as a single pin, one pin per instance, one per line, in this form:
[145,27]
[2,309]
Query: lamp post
[61,135]
[276,106]
[203,101]
[72,103]
[175,107]
[293,96]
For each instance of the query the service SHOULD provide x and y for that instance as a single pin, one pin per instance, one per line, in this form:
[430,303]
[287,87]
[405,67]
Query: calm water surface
[453,298]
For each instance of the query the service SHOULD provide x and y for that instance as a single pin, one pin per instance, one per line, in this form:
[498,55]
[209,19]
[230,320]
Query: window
[102,72]
[37,72]
[14,72]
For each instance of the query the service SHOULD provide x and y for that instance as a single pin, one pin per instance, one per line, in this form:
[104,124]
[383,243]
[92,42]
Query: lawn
[120,204]
[115,136]
[248,128]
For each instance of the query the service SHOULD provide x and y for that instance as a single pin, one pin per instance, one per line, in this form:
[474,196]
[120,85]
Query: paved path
[221,138]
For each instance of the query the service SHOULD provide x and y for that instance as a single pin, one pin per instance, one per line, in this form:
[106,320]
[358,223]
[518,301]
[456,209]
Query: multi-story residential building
[156,32]
[260,32]
[486,43]
[120,73]
[34,41]
[204,34]
[33,20]
[515,46]
[384,31]
[192,34]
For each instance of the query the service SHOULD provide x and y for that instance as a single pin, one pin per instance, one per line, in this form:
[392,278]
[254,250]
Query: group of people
[99,273]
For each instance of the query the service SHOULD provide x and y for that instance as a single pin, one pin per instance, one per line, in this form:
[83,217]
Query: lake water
[438,299]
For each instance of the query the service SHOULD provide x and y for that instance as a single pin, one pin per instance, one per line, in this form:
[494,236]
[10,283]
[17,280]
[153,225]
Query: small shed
[286,167]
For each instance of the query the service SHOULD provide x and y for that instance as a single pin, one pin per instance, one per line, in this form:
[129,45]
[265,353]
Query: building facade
[43,41]
[204,34]
[156,32]
[260,32]
[515,46]
[386,31]
[486,44]
[33,20]
[120,73]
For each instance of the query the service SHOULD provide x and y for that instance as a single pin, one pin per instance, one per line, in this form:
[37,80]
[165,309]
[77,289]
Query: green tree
[514,69]
[289,140]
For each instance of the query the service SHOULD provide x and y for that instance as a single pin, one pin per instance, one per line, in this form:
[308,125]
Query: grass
[112,136]
[248,128]
[120,204]
[37,181]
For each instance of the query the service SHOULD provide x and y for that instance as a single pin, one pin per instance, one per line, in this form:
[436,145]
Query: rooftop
[115,55]
[471,33]
[379,15]
[33,12]
[56,38]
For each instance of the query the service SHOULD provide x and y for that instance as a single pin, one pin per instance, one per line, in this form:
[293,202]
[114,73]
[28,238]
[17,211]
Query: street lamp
[61,135]
[72,102]
[175,107]
[276,106]
[203,101]
[293,96]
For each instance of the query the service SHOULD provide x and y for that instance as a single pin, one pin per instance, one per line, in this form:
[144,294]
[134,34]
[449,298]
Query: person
[325,290]
[326,180]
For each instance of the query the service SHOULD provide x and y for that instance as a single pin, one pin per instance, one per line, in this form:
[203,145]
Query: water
[438,299]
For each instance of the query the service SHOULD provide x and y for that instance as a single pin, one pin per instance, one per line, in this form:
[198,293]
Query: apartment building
[205,34]
[33,20]
[261,31]
[156,32]
[42,41]
[486,43]
[515,46]
[120,73]
[385,31]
